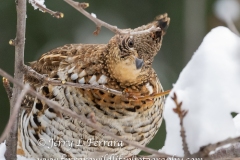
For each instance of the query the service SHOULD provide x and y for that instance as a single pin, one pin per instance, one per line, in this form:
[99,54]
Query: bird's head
[130,56]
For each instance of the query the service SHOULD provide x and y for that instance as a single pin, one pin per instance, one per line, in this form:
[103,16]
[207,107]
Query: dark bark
[11,143]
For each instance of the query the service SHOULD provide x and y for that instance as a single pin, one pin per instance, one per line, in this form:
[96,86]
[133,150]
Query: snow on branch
[205,150]
[35,3]
[39,4]
[81,8]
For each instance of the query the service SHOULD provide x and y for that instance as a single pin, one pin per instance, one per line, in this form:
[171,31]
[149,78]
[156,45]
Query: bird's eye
[130,43]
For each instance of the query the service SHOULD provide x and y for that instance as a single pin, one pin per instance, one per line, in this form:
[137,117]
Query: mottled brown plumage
[124,64]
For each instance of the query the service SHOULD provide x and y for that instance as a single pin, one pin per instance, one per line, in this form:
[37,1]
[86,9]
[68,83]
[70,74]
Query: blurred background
[191,20]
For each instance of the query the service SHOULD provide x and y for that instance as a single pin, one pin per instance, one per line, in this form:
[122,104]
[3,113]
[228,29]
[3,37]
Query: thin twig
[181,114]
[81,6]
[44,9]
[7,88]
[13,117]
[11,143]
[149,30]
[82,118]
[43,79]
[156,95]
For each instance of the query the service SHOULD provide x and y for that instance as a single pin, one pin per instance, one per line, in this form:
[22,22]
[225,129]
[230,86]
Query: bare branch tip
[84,5]
[174,97]
[180,104]
[175,110]
[97,31]
[4,80]
[184,113]
[59,15]
[44,9]
[12,42]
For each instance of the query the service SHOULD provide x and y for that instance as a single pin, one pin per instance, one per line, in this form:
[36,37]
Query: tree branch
[181,114]
[7,88]
[46,80]
[81,6]
[11,143]
[45,9]
[231,152]
[205,150]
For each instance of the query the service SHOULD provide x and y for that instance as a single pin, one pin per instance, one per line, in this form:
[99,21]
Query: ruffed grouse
[125,63]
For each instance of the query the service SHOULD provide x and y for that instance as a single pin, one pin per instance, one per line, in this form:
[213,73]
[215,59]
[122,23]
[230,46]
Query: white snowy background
[209,88]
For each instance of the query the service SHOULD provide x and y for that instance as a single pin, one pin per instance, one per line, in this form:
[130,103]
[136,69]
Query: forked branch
[181,114]
[81,8]
[19,42]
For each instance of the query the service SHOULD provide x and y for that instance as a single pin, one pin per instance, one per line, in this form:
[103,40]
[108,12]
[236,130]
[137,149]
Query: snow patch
[94,15]
[209,89]
[236,121]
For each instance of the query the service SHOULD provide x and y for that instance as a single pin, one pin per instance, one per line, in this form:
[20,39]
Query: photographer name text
[80,142]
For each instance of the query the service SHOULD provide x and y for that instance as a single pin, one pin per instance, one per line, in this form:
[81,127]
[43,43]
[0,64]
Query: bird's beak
[139,63]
